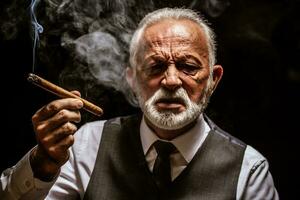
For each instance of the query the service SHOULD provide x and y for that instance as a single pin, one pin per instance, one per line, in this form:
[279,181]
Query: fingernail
[79,104]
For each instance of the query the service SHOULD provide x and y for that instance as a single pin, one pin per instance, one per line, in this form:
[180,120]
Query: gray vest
[121,171]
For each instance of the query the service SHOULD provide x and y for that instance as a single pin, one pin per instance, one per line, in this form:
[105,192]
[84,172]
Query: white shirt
[255,181]
[186,144]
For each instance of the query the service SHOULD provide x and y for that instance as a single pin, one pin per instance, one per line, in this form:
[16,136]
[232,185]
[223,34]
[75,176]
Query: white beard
[169,120]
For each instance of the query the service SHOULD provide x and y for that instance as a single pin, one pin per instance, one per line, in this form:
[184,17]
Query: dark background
[257,99]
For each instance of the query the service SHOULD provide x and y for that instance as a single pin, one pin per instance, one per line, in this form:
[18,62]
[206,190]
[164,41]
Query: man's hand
[54,128]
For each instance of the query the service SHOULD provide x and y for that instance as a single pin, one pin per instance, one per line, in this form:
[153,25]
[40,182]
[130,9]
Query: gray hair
[172,13]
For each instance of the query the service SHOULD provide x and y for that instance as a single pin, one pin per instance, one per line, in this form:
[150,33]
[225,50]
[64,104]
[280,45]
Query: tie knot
[164,148]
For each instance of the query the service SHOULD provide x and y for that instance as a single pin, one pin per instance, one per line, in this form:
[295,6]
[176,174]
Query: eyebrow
[187,57]
[154,57]
[180,58]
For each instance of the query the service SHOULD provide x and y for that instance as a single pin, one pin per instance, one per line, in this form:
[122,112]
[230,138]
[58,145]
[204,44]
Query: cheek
[195,87]
[195,93]
[148,86]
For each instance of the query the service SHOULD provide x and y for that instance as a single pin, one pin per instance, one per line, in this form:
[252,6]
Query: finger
[59,119]
[54,107]
[62,117]
[77,93]
[59,152]
[57,135]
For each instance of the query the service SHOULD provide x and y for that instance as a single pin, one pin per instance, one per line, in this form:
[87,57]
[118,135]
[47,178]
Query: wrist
[43,167]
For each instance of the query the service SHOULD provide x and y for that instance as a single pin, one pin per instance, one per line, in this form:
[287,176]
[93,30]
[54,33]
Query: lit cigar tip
[32,77]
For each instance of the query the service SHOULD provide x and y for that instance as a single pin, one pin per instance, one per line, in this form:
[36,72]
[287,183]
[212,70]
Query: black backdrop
[257,99]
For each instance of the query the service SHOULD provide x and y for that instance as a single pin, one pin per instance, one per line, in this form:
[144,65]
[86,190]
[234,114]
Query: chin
[169,120]
[171,110]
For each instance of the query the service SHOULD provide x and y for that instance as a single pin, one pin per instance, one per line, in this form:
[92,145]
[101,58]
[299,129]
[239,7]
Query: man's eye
[156,69]
[188,69]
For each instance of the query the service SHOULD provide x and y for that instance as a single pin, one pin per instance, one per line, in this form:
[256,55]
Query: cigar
[50,87]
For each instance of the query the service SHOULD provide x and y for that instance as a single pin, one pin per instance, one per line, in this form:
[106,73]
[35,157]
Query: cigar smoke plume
[36,30]
[87,41]
[95,34]
[213,8]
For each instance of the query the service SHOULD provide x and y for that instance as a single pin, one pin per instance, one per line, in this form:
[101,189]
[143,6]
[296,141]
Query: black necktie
[162,169]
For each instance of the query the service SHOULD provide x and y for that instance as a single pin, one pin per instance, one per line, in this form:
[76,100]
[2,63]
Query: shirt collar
[187,144]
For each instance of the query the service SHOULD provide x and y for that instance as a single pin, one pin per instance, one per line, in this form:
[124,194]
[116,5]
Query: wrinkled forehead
[177,32]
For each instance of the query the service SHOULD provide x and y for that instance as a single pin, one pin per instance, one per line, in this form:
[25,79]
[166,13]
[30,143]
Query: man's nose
[171,78]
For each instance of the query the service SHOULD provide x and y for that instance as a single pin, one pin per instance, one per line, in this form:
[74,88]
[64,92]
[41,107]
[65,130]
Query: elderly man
[171,151]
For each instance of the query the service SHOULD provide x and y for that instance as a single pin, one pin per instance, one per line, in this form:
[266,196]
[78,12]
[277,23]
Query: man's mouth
[174,104]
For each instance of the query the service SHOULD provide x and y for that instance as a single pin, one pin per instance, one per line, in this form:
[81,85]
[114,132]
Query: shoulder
[255,178]
[254,162]
[216,129]
[253,157]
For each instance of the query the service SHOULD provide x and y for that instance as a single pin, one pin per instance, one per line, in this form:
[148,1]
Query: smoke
[37,29]
[12,18]
[98,32]
[103,56]
[213,8]
[96,35]
[86,41]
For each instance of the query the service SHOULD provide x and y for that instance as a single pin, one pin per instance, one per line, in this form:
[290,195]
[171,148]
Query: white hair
[177,14]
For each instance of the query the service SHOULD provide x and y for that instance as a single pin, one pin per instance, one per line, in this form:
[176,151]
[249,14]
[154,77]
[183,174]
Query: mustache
[179,95]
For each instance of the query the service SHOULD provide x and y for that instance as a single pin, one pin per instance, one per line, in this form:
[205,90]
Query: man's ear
[130,76]
[217,75]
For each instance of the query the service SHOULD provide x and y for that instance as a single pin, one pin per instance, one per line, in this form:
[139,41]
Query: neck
[169,134]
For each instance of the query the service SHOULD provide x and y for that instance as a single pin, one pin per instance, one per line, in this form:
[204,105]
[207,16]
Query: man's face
[172,76]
